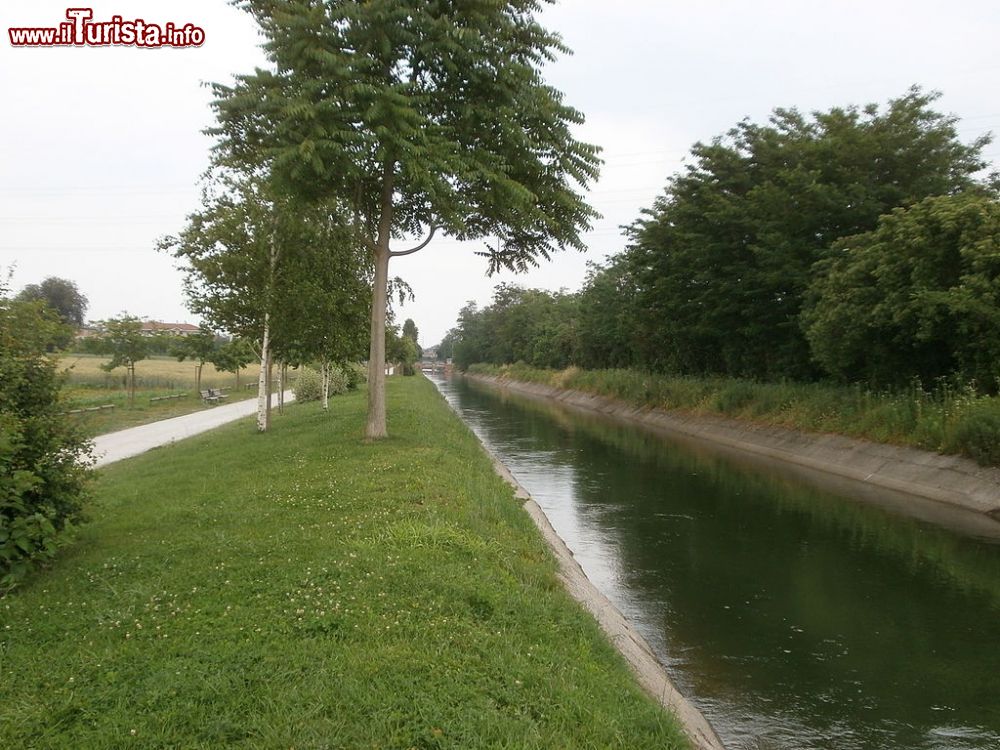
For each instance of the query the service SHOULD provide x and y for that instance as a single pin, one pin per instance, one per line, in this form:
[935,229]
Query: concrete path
[131,442]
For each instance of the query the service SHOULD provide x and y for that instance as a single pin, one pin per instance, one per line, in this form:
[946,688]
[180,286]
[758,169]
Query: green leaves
[918,296]
[723,261]
[42,471]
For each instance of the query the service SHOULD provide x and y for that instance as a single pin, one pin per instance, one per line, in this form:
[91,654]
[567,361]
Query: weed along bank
[305,588]
[790,612]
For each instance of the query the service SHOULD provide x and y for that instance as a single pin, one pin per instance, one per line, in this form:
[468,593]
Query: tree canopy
[859,243]
[61,295]
[722,262]
[919,296]
[416,118]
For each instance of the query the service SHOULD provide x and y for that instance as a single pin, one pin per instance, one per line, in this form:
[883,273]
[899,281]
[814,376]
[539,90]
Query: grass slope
[303,589]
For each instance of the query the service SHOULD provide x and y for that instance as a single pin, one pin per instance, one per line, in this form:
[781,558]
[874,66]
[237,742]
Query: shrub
[338,380]
[308,385]
[356,373]
[977,434]
[43,466]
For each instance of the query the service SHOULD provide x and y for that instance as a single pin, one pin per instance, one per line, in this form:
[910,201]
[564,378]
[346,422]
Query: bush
[42,455]
[308,385]
[338,380]
[356,373]
[977,435]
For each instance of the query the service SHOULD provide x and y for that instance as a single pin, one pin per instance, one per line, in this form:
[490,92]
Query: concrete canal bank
[956,483]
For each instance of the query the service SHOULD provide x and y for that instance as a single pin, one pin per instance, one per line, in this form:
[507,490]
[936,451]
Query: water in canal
[792,617]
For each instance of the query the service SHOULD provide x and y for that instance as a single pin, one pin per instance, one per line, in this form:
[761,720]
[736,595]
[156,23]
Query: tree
[607,333]
[44,477]
[280,272]
[446,349]
[418,118]
[723,261]
[199,347]
[401,349]
[917,297]
[232,356]
[123,341]
[61,295]
[410,331]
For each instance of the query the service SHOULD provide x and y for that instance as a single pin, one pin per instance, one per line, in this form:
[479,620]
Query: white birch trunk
[263,418]
[326,386]
[281,388]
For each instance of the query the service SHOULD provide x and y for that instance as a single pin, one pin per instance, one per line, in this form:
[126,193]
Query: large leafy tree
[419,117]
[61,295]
[917,296]
[723,261]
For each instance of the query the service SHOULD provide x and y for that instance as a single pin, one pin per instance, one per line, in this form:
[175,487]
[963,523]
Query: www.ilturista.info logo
[81,31]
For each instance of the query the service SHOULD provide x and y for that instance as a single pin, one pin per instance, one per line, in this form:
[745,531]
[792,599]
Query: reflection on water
[786,613]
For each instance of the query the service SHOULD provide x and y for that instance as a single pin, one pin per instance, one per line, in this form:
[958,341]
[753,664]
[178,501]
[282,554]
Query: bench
[209,396]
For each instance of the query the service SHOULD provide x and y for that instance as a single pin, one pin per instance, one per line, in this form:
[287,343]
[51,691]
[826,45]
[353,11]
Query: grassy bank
[947,420]
[88,386]
[304,589]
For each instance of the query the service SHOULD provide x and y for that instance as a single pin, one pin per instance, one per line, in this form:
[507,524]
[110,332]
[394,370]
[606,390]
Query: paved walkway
[131,442]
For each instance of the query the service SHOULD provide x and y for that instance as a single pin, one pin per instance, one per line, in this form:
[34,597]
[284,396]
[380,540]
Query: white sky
[101,150]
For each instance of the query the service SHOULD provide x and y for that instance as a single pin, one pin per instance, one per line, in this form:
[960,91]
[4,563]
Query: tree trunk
[197,376]
[326,386]
[131,384]
[263,415]
[281,388]
[270,387]
[376,427]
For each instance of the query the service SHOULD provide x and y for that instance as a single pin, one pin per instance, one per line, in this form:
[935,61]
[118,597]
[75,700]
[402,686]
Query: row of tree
[374,123]
[862,244]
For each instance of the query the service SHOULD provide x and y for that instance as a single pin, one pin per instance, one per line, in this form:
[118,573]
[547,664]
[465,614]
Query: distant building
[87,332]
[155,327]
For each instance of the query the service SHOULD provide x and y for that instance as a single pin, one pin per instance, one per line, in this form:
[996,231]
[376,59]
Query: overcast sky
[101,148]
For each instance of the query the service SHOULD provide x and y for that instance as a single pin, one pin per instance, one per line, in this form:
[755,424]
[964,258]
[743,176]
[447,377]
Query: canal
[792,617]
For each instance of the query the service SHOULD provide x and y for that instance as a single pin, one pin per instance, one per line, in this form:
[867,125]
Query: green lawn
[303,589]
[88,385]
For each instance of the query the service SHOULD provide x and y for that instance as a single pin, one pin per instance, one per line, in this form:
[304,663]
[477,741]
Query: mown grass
[88,385]
[944,419]
[305,589]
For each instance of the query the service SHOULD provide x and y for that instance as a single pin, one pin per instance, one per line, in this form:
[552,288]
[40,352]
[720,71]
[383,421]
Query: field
[304,588]
[154,374]
[89,386]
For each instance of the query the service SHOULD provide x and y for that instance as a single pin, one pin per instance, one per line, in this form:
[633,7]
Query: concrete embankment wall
[950,480]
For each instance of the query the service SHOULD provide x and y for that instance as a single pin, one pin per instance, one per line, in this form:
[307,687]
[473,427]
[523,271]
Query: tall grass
[153,374]
[945,418]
